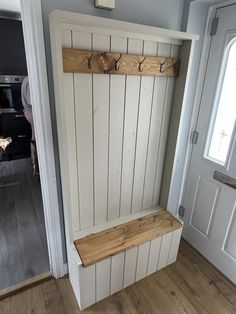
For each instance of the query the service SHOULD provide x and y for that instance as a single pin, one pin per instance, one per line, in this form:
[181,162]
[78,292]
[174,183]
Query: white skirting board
[96,282]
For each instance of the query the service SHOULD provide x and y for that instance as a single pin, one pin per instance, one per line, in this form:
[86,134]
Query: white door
[210,215]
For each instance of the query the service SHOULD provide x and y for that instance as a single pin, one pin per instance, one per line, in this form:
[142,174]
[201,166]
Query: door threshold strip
[4,293]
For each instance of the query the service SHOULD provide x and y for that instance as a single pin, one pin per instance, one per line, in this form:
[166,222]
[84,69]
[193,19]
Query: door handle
[5,85]
[19,115]
[223,178]
[22,136]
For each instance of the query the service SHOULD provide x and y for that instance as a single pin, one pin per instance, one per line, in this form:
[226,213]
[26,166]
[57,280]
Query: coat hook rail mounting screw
[140,67]
[90,61]
[162,69]
[117,63]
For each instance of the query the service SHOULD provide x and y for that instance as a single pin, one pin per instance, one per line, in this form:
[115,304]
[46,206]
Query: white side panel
[84,127]
[159,96]
[142,136]
[143,253]
[101,121]
[130,126]
[154,256]
[87,284]
[103,279]
[164,252]
[176,236]
[117,101]
[173,52]
[74,275]
[117,271]
[130,266]
[71,134]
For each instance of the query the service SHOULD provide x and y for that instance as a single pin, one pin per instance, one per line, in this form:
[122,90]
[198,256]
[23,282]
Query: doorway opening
[23,240]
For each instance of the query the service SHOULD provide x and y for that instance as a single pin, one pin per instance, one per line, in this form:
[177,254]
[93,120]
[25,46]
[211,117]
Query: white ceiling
[10,5]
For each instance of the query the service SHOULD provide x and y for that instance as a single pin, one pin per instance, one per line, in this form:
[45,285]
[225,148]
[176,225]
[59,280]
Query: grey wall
[196,23]
[194,20]
[161,13]
[185,14]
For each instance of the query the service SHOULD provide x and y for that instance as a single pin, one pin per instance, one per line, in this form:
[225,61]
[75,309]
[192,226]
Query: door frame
[31,12]
[200,85]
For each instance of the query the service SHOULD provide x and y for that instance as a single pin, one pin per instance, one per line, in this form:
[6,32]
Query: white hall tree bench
[119,127]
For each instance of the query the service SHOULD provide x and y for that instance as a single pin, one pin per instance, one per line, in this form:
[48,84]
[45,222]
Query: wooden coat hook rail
[97,62]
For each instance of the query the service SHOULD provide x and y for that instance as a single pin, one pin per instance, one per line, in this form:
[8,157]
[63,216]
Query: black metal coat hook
[161,66]
[140,67]
[117,63]
[90,61]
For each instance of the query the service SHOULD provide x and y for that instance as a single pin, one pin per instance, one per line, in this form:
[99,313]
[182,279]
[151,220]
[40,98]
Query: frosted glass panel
[225,118]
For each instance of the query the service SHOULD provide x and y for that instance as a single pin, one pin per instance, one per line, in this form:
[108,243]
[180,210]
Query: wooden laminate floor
[191,285]
[23,244]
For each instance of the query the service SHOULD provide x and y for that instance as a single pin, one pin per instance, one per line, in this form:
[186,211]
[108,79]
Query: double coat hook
[102,55]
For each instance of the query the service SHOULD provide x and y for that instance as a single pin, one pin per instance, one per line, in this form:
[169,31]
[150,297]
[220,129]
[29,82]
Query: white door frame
[204,56]
[200,85]
[36,62]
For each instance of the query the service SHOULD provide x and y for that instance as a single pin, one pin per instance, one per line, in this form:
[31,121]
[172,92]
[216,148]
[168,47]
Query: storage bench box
[112,259]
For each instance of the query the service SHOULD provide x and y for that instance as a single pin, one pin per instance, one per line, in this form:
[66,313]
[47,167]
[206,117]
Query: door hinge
[214,26]
[194,137]
[181,211]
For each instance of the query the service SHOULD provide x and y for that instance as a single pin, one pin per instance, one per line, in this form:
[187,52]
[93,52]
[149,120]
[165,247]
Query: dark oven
[10,93]
[13,123]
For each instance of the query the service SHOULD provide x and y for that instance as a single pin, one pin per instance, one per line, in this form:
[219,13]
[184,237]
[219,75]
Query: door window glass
[225,116]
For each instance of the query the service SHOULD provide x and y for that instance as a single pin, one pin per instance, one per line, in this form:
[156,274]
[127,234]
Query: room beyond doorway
[23,243]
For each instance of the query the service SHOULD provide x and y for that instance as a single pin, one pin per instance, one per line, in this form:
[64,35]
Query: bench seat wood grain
[99,246]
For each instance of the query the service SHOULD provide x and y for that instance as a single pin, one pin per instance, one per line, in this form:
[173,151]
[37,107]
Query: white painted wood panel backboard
[117,127]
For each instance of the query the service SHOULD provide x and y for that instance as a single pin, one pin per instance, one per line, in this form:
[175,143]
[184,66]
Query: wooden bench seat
[110,242]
